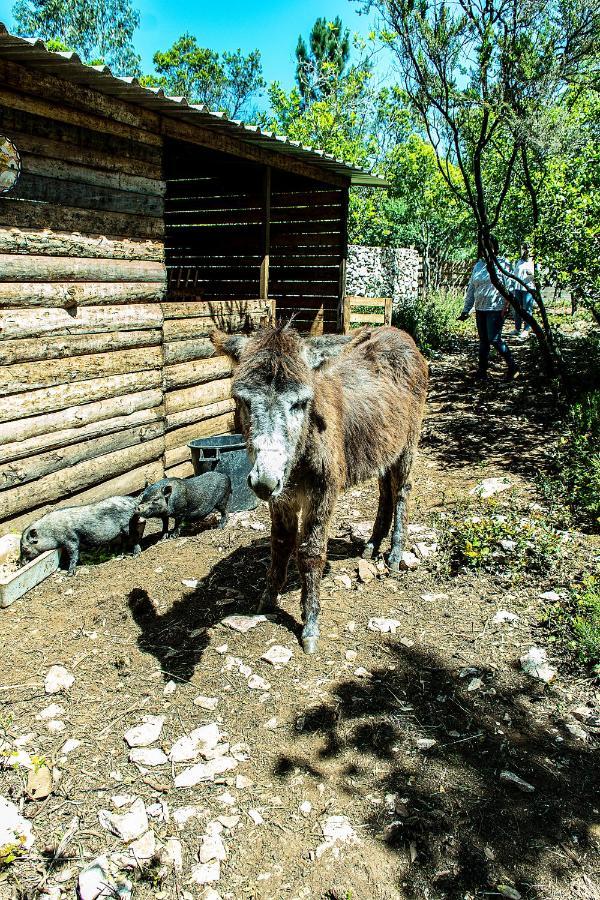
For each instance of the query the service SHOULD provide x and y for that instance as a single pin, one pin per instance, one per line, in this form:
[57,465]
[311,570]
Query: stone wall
[383,272]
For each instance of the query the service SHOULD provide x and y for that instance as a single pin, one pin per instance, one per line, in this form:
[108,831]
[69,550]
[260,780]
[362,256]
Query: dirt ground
[335,734]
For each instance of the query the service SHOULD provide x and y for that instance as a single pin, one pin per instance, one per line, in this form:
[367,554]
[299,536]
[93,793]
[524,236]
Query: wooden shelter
[137,222]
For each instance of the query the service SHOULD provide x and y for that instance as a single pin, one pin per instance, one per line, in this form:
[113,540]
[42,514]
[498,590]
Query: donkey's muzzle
[264,486]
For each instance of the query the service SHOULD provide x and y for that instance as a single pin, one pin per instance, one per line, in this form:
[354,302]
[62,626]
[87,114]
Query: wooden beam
[343,261]
[266,236]
[219,140]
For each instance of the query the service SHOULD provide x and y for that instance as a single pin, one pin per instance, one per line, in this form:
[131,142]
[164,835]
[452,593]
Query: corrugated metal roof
[32,52]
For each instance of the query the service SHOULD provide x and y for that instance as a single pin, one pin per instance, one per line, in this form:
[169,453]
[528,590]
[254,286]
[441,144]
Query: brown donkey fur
[320,415]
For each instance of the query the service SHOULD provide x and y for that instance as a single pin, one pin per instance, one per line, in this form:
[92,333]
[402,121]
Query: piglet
[186,499]
[94,525]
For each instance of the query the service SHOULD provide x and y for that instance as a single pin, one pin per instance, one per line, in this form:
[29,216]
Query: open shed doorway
[239,231]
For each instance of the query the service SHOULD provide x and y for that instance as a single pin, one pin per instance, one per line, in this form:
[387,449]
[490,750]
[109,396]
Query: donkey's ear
[231,345]
[317,350]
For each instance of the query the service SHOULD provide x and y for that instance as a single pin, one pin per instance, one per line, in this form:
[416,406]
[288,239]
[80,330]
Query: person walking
[490,312]
[525,270]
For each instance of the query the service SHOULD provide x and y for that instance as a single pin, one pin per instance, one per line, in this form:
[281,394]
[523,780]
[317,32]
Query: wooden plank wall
[82,277]
[307,251]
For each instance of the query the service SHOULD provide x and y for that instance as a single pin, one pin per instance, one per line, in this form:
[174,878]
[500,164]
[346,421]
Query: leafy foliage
[226,81]
[579,460]
[98,32]
[575,620]
[431,321]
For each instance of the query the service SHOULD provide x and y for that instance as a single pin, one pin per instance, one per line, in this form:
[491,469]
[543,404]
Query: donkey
[320,415]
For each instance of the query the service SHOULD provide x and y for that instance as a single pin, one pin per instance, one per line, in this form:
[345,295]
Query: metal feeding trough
[15,582]
[226,453]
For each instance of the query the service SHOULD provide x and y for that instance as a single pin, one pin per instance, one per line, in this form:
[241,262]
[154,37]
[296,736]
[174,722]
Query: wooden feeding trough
[14,582]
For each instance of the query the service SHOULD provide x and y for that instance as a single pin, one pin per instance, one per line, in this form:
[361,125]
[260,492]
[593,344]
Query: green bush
[495,541]
[579,460]
[431,320]
[576,620]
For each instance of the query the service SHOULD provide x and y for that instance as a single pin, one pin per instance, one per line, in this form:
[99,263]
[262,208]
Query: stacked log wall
[82,278]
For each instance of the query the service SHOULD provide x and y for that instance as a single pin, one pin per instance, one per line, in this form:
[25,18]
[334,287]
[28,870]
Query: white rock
[507,545]
[55,726]
[240,751]
[169,689]
[336,830]
[305,808]
[256,683]
[433,598]
[277,655]
[222,648]
[408,560]
[129,826]
[206,873]
[503,616]
[424,550]
[208,703]
[271,725]
[15,830]
[145,734]
[11,758]
[577,731]
[385,626]
[25,739]
[243,624]
[171,854]
[97,880]
[351,655]
[54,711]
[367,571]
[139,851]
[190,582]
[361,672]
[228,822]
[205,771]
[58,679]
[551,596]
[490,486]
[511,778]
[201,740]
[344,580]
[226,799]
[425,743]
[535,664]
[475,684]
[212,847]
[69,746]
[209,894]
[120,800]
[148,756]
[182,815]
[256,817]
[241,782]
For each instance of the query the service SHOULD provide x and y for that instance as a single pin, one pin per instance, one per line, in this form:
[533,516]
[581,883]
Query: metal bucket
[226,453]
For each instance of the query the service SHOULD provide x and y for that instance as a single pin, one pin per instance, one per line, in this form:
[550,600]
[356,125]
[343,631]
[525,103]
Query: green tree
[482,75]
[320,65]
[226,81]
[98,31]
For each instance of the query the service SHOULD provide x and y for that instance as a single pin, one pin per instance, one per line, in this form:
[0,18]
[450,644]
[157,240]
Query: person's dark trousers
[525,302]
[489,329]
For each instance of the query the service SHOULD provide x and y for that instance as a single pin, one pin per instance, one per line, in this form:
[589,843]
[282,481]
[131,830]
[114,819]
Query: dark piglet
[185,499]
[94,525]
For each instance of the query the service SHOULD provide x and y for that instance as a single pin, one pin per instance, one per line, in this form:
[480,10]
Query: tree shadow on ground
[466,829]
[178,637]
[507,424]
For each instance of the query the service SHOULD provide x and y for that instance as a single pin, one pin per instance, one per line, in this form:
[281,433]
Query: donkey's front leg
[312,554]
[284,534]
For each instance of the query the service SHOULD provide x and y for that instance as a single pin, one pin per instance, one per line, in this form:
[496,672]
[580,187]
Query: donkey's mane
[273,354]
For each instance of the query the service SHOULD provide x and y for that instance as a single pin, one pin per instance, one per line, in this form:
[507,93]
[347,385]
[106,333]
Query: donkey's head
[273,388]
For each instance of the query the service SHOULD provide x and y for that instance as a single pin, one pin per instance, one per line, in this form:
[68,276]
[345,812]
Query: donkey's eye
[299,405]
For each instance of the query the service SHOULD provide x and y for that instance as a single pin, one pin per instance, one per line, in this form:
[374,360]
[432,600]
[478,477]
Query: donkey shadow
[178,637]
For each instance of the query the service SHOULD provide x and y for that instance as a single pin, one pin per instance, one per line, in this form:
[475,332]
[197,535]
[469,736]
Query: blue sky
[272,26]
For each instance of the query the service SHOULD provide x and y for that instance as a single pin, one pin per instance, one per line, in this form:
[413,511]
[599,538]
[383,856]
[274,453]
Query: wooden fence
[360,311]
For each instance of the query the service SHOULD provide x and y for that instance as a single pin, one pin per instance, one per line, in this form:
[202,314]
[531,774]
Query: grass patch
[495,539]
[431,320]
[575,621]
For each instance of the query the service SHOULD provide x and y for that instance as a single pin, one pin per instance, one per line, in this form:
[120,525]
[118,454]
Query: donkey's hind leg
[383,520]
[401,487]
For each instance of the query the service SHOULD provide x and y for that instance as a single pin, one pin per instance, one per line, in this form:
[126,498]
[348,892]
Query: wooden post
[266,237]
[343,322]
[388,310]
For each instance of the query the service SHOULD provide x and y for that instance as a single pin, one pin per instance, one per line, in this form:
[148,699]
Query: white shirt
[524,269]
[481,292]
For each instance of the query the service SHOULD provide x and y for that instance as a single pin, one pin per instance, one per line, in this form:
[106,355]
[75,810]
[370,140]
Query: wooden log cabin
[137,222]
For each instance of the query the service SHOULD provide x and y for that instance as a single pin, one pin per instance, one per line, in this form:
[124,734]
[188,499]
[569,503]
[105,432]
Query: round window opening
[10,165]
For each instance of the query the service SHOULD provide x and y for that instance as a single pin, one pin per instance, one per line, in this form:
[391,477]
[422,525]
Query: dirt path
[345,733]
